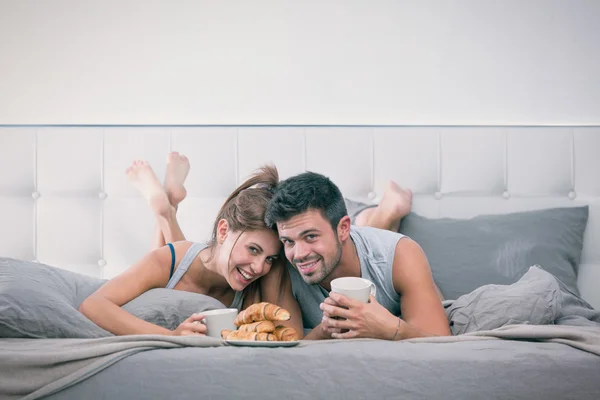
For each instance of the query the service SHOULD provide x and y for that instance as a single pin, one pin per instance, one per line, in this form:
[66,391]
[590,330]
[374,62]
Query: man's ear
[222,229]
[343,229]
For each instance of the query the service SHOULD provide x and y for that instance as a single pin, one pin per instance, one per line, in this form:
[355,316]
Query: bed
[74,210]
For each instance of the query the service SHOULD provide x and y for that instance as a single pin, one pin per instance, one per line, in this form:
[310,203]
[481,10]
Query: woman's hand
[191,326]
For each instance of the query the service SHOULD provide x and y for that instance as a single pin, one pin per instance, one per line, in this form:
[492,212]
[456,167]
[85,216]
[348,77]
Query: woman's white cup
[354,288]
[218,320]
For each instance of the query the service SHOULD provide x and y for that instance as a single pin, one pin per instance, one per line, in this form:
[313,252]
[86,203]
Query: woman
[228,268]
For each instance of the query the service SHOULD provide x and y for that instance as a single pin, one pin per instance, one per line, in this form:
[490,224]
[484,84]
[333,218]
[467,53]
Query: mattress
[494,369]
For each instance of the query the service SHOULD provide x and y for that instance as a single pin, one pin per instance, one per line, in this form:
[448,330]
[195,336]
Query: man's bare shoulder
[408,249]
[410,264]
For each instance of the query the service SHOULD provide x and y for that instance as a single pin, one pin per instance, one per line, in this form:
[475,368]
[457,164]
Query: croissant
[286,334]
[261,312]
[242,335]
[260,326]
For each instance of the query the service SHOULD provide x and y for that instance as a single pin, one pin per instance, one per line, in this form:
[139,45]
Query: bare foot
[142,176]
[396,201]
[395,205]
[178,167]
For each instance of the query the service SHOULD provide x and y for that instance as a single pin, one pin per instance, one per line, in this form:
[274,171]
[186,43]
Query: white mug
[218,320]
[354,288]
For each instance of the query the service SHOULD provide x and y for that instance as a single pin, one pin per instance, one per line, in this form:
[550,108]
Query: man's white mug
[354,288]
[218,320]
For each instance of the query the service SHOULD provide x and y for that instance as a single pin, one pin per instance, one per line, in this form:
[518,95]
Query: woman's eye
[253,250]
[270,260]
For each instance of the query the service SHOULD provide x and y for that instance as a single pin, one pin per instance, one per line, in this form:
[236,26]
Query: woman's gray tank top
[185,263]
[376,249]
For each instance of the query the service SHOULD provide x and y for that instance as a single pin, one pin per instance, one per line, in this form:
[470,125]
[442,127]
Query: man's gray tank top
[376,249]
[185,263]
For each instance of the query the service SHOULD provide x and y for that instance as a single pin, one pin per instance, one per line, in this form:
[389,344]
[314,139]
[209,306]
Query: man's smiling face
[311,245]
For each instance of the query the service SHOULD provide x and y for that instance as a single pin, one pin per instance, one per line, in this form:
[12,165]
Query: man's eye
[311,237]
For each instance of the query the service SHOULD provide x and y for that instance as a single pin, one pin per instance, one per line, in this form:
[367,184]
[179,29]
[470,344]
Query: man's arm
[276,288]
[420,304]
[421,308]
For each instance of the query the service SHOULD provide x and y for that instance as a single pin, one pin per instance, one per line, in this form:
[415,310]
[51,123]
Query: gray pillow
[169,308]
[40,301]
[498,249]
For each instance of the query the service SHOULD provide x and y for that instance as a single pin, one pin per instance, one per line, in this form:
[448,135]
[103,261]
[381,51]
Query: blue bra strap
[185,262]
[172,259]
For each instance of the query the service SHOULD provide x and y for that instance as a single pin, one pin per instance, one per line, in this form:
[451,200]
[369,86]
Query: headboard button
[572,195]
[35,195]
[438,195]
[506,194]
[102,195]
[372,196]
[101,263]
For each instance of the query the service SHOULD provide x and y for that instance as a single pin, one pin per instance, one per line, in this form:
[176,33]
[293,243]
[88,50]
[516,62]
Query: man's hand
[370,320]
[319,333]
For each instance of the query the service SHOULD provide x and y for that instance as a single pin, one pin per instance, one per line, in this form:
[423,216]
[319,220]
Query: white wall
[300,62]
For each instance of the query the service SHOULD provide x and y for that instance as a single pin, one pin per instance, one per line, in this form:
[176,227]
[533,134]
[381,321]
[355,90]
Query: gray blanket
[34,368]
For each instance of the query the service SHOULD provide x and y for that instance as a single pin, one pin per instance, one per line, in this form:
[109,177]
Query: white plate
[261,343]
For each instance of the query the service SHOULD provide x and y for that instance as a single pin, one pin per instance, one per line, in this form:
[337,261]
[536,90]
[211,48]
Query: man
[322,244]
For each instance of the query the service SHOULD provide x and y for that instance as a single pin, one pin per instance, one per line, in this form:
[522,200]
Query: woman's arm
[104,306]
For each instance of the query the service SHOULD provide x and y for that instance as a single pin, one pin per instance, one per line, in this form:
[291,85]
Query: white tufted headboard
[65,200]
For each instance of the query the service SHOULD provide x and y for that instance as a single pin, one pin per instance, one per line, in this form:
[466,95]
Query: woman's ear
[343,230]
[222,229]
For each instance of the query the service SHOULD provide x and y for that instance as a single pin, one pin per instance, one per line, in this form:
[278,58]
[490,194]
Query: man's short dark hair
[304,192]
